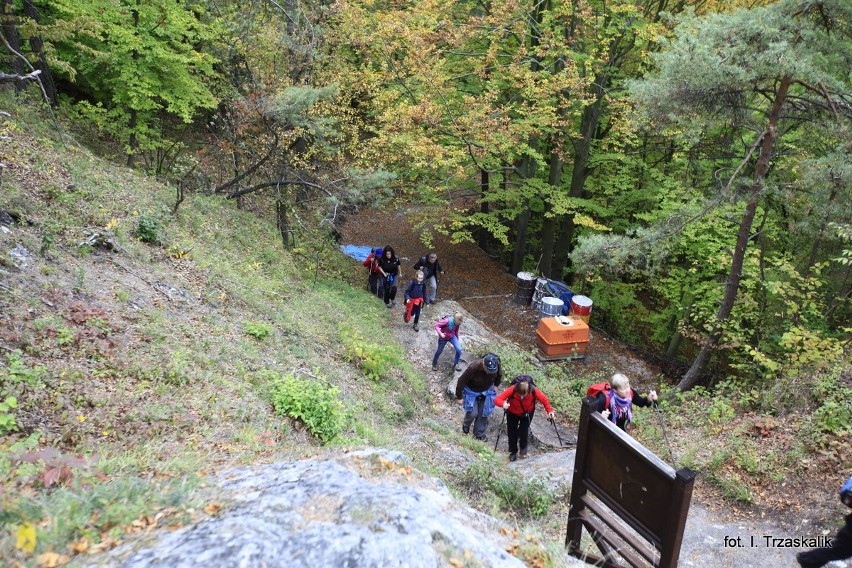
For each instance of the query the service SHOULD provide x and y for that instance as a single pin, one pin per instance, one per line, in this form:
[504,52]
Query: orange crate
[552,331]
[557,349]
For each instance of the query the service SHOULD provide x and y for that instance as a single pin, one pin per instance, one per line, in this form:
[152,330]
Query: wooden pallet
[548,358]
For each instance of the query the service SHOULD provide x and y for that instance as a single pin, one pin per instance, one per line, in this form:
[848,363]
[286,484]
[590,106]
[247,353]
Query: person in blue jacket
[475,392]
[415,296]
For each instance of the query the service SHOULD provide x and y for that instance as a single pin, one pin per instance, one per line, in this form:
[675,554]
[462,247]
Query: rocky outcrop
[364,509]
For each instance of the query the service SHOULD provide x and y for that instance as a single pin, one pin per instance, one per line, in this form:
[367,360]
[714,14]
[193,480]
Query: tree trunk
[132,142]
[283,223]
[10,30]
[482,235]
[36,44]
[767,145]
[548,229]
[579,173]
[527,170]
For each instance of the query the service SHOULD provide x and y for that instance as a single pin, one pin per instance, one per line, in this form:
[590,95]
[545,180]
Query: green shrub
[316,405]
[148,229]
[376,360]
[17,372]
[8,422]
[258,330]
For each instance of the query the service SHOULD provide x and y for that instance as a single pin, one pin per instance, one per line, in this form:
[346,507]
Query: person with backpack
[431,268]
[840,547]
[615,400]
[389,267]
[447,329]
[415,295]
[519,403]
[375,279]
[475,392]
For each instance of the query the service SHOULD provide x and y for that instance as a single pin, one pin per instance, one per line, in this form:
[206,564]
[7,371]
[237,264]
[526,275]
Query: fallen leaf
[106,544]
[79,546]
[212,508]
[26,537]
[52,559]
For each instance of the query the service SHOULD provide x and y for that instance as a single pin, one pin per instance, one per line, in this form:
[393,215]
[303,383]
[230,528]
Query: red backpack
[598,388]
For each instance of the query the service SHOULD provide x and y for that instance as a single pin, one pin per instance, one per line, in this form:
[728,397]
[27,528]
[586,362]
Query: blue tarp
[561,290]
[359,253]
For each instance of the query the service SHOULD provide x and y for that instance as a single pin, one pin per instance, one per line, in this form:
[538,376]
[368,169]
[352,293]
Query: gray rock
[365,509]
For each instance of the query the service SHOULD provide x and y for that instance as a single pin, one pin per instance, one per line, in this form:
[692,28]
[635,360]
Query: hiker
[475,392]
[415,295]
[447,329]
[431,268]
[375,279]
[840,547]
[616,402]
[519,403]
[389,265]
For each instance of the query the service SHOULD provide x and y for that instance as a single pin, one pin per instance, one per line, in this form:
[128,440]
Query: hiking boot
[482,438]
[465,429]
[458,368]
[513,456]
[393,303]
[416,328]
[434,366]
[388,306]
[523,455]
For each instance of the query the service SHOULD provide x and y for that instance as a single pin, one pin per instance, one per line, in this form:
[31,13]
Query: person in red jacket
[375,279]
[519,403]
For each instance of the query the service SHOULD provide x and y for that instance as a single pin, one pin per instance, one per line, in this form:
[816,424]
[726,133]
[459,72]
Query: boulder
[364,509]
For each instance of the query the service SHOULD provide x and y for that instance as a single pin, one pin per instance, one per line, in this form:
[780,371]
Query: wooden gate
[632,503]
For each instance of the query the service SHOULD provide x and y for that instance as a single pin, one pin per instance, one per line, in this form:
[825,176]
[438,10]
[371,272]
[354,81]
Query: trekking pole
[665,434]
[500,431]
[555,429]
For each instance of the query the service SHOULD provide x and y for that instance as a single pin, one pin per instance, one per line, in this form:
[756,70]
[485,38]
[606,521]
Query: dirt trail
[478,286]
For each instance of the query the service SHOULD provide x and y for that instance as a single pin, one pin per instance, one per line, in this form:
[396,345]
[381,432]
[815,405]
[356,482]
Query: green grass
[168,388]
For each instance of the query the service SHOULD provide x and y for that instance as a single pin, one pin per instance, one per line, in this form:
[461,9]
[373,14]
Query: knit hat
[492,363]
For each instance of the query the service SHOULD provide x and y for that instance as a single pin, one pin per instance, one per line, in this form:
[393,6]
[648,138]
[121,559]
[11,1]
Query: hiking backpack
[524,379]
[598,388]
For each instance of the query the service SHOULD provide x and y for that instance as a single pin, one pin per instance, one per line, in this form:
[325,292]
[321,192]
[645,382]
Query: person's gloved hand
[551,415]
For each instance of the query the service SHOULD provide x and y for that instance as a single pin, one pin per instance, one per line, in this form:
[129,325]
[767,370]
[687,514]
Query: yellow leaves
[586,221]
[81,418]
[113,223]
[212,509]
[79,546]
[25,537]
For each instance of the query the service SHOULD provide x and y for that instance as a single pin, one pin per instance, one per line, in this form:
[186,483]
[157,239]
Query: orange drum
[581,306]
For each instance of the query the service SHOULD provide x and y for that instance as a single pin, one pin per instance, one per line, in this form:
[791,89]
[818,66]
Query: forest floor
[479,286]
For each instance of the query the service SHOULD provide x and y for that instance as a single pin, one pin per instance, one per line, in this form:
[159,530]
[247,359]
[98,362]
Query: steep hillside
[143,351]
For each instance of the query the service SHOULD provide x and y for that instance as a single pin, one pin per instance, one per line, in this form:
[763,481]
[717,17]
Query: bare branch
[9,78]
[277,183]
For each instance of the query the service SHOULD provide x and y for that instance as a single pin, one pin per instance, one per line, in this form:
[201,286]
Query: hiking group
[384,273]
[476,389]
